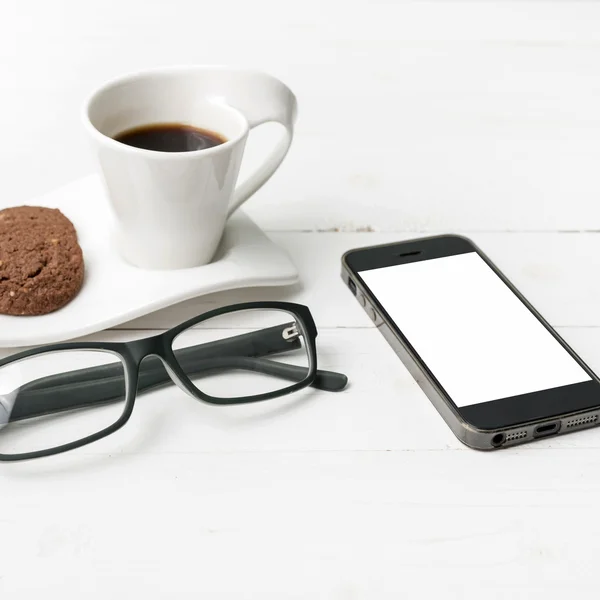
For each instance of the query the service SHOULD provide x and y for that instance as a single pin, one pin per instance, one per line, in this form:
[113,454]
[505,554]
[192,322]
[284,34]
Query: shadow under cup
[170,208]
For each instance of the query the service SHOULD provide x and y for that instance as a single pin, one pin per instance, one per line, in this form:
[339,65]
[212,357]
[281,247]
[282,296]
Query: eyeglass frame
[133,353]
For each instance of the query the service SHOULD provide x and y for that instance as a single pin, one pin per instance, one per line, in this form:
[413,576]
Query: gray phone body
[480,439]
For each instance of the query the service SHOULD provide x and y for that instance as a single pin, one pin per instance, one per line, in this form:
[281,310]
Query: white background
[413,115]
[481,117]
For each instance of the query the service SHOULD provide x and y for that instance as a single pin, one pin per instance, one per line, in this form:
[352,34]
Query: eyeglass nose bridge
[151,346]
[156,347]
[170,372]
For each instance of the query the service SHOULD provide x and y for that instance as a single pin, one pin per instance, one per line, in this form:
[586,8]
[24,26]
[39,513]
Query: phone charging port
[546,429]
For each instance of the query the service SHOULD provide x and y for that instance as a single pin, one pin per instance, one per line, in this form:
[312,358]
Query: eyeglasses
[59,397]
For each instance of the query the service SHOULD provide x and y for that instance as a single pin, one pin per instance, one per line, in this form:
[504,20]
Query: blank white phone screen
[477,338]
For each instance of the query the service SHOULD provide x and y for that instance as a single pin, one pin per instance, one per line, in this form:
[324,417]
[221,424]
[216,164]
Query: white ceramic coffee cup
[171,207]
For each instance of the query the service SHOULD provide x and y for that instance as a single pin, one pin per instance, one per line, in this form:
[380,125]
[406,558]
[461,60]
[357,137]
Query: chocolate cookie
[41,263]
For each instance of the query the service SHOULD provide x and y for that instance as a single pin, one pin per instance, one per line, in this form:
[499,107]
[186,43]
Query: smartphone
[495,370]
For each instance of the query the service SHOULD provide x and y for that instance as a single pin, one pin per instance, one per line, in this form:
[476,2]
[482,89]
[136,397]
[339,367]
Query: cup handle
[263,99]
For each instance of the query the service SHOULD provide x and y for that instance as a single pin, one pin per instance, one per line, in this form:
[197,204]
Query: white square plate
[114,292]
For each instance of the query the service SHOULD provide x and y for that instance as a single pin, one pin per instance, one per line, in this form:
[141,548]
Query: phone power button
[372,314]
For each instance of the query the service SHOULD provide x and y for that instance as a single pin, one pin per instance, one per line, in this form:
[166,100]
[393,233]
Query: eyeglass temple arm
[104,384]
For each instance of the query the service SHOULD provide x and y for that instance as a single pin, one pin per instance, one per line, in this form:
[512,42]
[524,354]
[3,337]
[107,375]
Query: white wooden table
[415,117]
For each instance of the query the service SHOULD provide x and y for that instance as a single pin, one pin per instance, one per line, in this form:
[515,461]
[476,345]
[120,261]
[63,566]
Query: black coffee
[170,137]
